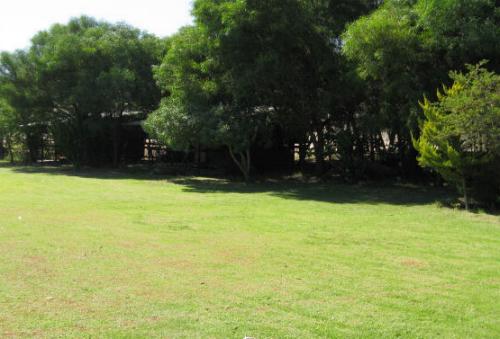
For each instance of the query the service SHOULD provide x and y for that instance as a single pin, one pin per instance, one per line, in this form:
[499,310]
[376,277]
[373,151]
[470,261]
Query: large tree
[93,73]
[285,55]
[199,108]
[125,82]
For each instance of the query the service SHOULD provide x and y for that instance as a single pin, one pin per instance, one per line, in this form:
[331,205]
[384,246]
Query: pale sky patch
[21,19]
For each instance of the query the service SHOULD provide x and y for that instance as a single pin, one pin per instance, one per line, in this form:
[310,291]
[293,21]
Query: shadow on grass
[295,189]
[330,192]
[139,172]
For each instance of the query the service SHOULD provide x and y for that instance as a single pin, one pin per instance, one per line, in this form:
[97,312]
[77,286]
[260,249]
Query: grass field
[107,255]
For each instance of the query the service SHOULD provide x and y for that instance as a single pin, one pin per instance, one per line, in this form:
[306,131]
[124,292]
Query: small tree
[460,136]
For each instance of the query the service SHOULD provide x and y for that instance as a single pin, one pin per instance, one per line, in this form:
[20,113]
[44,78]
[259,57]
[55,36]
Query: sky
[21,19]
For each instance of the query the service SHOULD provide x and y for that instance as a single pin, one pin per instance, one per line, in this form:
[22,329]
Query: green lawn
[121,255]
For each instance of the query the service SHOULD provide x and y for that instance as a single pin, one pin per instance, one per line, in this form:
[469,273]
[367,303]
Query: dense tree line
[79,82]
[342,79]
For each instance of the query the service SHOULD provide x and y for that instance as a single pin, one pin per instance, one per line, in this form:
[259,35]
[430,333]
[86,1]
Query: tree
[460,136]
[284,55]
[198,109]
[184,78]
[93,72]
[125,83]
[252,46]
[68,71]
[405,49]
[249,67]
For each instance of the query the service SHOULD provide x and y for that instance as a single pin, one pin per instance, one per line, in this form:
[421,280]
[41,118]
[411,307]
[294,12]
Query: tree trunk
[466,198]
[32,144]
[401,152]
[372,148]
[319,152]
[42,155]
[9,149]
[243,163]
[302,154]
[116,143]
[80,149]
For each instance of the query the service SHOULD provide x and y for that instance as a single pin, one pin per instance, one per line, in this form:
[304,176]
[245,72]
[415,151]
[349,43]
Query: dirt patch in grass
[415,263]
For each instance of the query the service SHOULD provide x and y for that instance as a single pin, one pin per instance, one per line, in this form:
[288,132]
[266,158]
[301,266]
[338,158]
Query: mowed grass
[116,255]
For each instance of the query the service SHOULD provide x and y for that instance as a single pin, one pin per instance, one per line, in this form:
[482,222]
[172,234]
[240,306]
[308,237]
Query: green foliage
[172,125]
[94,72]
[7,119]
[406,48]
[460,136]
[460,31]
[183,118]
[28,104]
[339,78]
[401,38]
[8,129]
[203,106]
[248,67]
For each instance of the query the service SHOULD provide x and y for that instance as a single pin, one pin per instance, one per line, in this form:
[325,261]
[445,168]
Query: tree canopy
[77,80]
[406,48]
